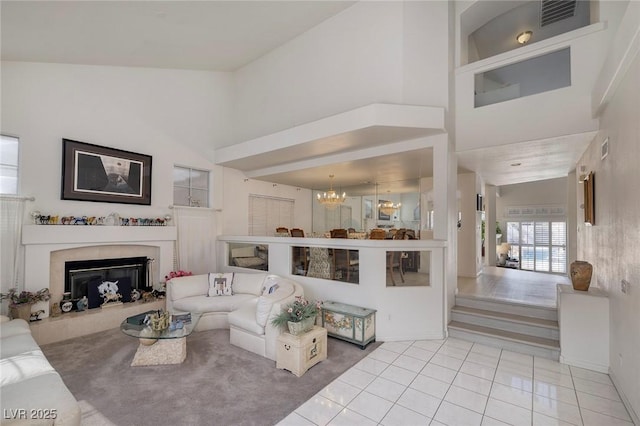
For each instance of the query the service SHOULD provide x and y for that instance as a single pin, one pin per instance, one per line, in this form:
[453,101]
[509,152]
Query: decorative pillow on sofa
[270,284]
[220,284]
[265,302]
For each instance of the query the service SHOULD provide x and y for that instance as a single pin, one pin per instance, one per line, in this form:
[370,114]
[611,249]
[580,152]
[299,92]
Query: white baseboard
[601,368]
[634,416]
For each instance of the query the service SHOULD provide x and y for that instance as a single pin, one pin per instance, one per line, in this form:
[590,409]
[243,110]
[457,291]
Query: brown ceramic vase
[581,275]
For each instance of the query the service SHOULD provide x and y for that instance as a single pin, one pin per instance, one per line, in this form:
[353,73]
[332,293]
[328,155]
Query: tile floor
[455,382]
[513,285]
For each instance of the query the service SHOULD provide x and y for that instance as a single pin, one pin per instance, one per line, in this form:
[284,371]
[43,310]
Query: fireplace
[84,277]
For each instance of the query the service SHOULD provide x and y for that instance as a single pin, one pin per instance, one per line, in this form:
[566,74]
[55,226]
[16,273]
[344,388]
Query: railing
[405,311]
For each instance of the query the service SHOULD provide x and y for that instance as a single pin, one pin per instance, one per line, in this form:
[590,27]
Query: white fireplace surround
[47,247]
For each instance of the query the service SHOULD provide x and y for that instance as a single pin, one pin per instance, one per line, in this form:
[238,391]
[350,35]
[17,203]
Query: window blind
[267,213]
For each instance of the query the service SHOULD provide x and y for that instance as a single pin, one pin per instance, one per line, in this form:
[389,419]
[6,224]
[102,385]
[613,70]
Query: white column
[490,225]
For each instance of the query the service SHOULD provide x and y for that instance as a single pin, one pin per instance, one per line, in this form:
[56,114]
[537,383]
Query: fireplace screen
[83,278]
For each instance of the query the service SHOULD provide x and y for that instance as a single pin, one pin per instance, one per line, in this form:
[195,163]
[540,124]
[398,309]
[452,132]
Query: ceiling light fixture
[388,207]
[331,199]
[524,37]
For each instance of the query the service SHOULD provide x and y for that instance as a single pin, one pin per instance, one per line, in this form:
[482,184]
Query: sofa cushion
[245,318]
[17,344]
[206,304]
[220,284]
[23,366]
[249,283]
[192,285]
[14,327]
[266,301]
[46,391]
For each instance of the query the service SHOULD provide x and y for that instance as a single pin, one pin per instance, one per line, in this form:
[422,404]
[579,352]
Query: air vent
[556,10]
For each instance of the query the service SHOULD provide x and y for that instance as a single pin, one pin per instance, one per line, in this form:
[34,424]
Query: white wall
[391,52]
[539,193]
[612,245]
[520,119]
[469,259]
[173,115]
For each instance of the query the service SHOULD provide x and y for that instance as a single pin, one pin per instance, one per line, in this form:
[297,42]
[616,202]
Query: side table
[299,353]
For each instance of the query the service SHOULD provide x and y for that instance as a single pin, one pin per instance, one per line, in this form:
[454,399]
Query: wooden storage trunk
[299,353]
[351,323]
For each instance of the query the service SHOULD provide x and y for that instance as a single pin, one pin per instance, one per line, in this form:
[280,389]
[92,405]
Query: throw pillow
[270,284]
[266,301]
[220,284]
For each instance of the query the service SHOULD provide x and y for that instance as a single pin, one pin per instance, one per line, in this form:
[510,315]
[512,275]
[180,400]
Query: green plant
[296,311]
[498,230]
[25,297]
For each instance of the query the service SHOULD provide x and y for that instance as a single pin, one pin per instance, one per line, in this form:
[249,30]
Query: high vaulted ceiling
[224,36]
[200,35]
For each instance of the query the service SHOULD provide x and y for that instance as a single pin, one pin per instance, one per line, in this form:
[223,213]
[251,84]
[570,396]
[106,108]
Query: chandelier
[388,207]
[331,199]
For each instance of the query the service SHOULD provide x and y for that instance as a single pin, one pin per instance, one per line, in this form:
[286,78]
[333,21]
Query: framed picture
[590,199]
[98,173]
[368,209]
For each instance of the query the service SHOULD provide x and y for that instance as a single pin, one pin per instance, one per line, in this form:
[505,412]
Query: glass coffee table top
[145,331]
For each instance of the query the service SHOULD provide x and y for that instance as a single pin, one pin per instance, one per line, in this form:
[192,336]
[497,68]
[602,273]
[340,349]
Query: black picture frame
[590,199]
[102,174]
[479,203]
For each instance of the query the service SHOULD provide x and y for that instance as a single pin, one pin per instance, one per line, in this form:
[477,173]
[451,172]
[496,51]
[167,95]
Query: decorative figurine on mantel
[109,292]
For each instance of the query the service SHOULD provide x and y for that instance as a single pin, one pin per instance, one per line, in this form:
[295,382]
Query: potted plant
[299,315]
[20,303]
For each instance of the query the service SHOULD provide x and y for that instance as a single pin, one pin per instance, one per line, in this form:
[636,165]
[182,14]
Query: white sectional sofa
[247,312]
[31,391]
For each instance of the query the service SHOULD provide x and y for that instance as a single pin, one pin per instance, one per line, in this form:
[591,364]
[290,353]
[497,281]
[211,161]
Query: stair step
[521,309]
[507,322]
[518,342]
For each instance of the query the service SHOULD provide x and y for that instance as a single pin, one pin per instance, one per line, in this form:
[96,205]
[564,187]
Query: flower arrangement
[176,274]
[296,311]
[25,297]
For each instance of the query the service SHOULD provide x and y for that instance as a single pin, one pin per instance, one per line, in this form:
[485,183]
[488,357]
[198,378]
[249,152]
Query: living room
[183,116]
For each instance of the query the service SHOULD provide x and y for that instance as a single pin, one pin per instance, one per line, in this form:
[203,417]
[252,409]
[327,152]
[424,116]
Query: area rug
[218,384]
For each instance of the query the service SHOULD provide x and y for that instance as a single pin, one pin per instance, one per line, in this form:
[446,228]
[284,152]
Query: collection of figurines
[112,219]
[108,291]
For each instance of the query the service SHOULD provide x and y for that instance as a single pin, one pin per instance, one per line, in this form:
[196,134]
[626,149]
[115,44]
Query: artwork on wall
[97,173]
[590,199]
[368,209]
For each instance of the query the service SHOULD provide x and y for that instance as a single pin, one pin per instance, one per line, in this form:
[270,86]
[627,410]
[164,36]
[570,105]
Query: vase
[297,328]
[22,311]
[581,275]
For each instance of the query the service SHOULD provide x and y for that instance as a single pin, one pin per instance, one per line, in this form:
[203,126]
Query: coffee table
[160,347]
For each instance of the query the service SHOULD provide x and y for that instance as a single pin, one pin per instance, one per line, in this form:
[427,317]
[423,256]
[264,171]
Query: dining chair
[339,233]
[394,258]
[297,232]
[300,254]
[377,234]
[343,260]
[281,230]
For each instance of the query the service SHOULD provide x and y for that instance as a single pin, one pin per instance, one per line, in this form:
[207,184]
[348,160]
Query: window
[540,245]
[9,165]
[190,187]
[268,213]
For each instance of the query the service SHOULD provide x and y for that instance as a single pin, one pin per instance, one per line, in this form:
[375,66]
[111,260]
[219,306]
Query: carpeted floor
[218,384]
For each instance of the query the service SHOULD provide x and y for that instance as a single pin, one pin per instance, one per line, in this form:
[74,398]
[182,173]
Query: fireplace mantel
[87,234]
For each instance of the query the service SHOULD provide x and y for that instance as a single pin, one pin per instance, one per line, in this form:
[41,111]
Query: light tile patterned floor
[455,382]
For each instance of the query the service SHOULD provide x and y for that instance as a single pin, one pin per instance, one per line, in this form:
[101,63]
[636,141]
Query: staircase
[516,327]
